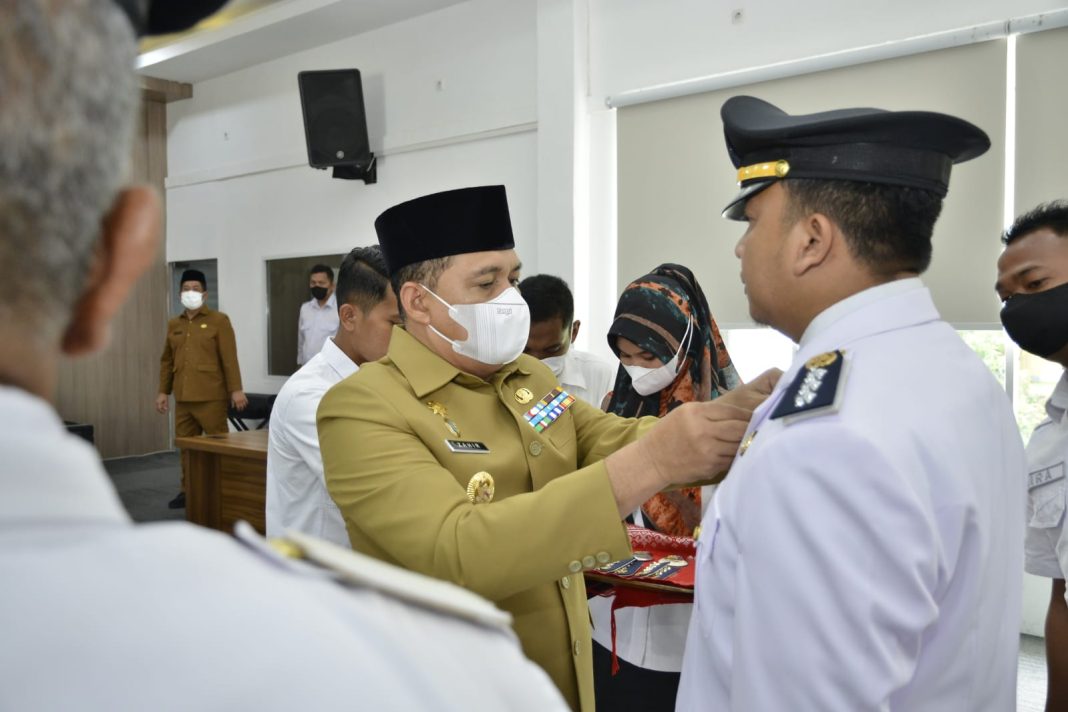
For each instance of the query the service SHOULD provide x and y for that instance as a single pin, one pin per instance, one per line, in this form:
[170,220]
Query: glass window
[990,345]
[1035,379]
[757,349]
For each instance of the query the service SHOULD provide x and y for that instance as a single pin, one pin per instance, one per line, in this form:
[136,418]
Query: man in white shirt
[296,492]
[863,552]
[98,613]
[318,316]
[553,330]
[1033,283]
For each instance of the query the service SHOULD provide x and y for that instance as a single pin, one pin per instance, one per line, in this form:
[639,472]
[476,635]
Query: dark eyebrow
[493,269]
[1019,274]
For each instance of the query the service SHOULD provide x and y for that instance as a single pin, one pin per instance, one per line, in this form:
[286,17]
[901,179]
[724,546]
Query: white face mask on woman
[647,381]
[497,330]
[192,299]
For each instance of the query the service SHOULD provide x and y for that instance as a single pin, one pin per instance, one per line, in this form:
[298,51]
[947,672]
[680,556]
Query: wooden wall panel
[114,391]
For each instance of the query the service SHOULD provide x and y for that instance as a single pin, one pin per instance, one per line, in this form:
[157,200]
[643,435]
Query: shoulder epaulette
[815,390]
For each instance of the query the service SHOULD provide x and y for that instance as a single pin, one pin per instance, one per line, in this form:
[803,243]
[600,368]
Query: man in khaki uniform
[449,458]
[199,363]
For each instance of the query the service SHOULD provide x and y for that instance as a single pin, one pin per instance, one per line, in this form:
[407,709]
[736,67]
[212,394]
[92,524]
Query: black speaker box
[335,125]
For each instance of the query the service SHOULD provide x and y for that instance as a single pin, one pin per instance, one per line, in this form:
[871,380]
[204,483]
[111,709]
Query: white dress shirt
[316,325]
[296,491]
[866,559]
[587,376]
[97,613]
[1047,451]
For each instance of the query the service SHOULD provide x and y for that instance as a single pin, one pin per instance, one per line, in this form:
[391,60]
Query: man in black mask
[1033,283]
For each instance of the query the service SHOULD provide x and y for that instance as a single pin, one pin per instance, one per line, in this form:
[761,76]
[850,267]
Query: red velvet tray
[677,579]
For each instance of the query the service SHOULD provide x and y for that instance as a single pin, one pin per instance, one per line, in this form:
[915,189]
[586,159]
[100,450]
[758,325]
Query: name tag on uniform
[1045,476]
[469,446]
[546,411]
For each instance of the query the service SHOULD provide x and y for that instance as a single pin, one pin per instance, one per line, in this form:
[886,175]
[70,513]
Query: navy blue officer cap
[905,148]
[454,222]
[160,17]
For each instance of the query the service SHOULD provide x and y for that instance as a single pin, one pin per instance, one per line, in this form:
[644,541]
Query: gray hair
[68,100]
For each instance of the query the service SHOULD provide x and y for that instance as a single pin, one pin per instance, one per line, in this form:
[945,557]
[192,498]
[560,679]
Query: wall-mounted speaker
[335,125]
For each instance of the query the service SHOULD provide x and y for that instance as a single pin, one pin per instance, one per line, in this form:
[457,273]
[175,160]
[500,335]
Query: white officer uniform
[315,325]
[863,558]
[296,492]
[99,614]
[1047,542]
[587,376]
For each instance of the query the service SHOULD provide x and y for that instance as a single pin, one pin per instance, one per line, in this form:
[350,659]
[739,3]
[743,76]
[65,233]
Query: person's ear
[575,329]
[349,316]
[129,240]
[414,303]
[813,239]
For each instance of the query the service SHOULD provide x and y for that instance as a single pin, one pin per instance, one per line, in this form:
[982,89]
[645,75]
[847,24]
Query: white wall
[239,188]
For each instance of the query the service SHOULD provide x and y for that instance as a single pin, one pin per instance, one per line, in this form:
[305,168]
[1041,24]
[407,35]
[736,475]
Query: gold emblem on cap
[480,488]
[821,361]
[770,169]
[524,396]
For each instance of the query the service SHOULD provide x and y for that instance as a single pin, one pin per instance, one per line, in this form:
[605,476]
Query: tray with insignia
[659,562]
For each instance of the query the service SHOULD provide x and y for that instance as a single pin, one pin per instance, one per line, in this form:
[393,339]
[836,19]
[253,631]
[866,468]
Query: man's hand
[239,400]
[162,403]
[752,394]
[696,441]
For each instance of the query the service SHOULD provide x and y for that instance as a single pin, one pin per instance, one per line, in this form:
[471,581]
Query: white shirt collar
[47,474]
[331,302]
[856,302]
[341,363]
[1058,400]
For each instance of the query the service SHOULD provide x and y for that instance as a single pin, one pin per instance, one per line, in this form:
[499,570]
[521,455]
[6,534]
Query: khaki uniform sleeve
[600,434]
[400,504]
[166,365]
[228,356]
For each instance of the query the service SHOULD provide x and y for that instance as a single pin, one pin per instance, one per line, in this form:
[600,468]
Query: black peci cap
[906,148]
[160,17]
[194,275]
[444,224]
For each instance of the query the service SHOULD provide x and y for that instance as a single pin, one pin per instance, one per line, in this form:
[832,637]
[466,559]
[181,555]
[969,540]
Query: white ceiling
[249,32]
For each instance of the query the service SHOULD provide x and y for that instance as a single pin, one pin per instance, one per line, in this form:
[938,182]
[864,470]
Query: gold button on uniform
[575,648]
[603,557]
[589,562]
[566,582]
[574,567]
[535,448]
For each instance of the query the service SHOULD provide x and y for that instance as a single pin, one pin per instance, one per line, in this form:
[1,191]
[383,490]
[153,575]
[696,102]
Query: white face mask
[192,299]
[555,364]
[497,330]
[647,381]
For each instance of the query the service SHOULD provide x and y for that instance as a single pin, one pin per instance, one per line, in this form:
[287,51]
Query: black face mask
[319,293]
[1038,322]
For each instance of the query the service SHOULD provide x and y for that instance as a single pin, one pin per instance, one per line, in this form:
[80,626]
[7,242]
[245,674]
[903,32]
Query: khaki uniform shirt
[402,491]
[199,358]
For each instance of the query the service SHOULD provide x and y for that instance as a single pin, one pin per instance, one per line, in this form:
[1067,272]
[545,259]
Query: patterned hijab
[654,312]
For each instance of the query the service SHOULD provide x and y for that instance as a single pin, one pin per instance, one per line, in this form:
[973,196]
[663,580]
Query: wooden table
[227,479]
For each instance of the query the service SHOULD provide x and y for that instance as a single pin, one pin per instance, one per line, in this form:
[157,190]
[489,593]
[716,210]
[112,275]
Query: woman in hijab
[670,353]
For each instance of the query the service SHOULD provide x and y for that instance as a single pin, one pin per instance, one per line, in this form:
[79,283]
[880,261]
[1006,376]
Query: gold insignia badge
[442,412]
[821,361]
[524,396]
[480,488]
[746,443]
[203,326]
